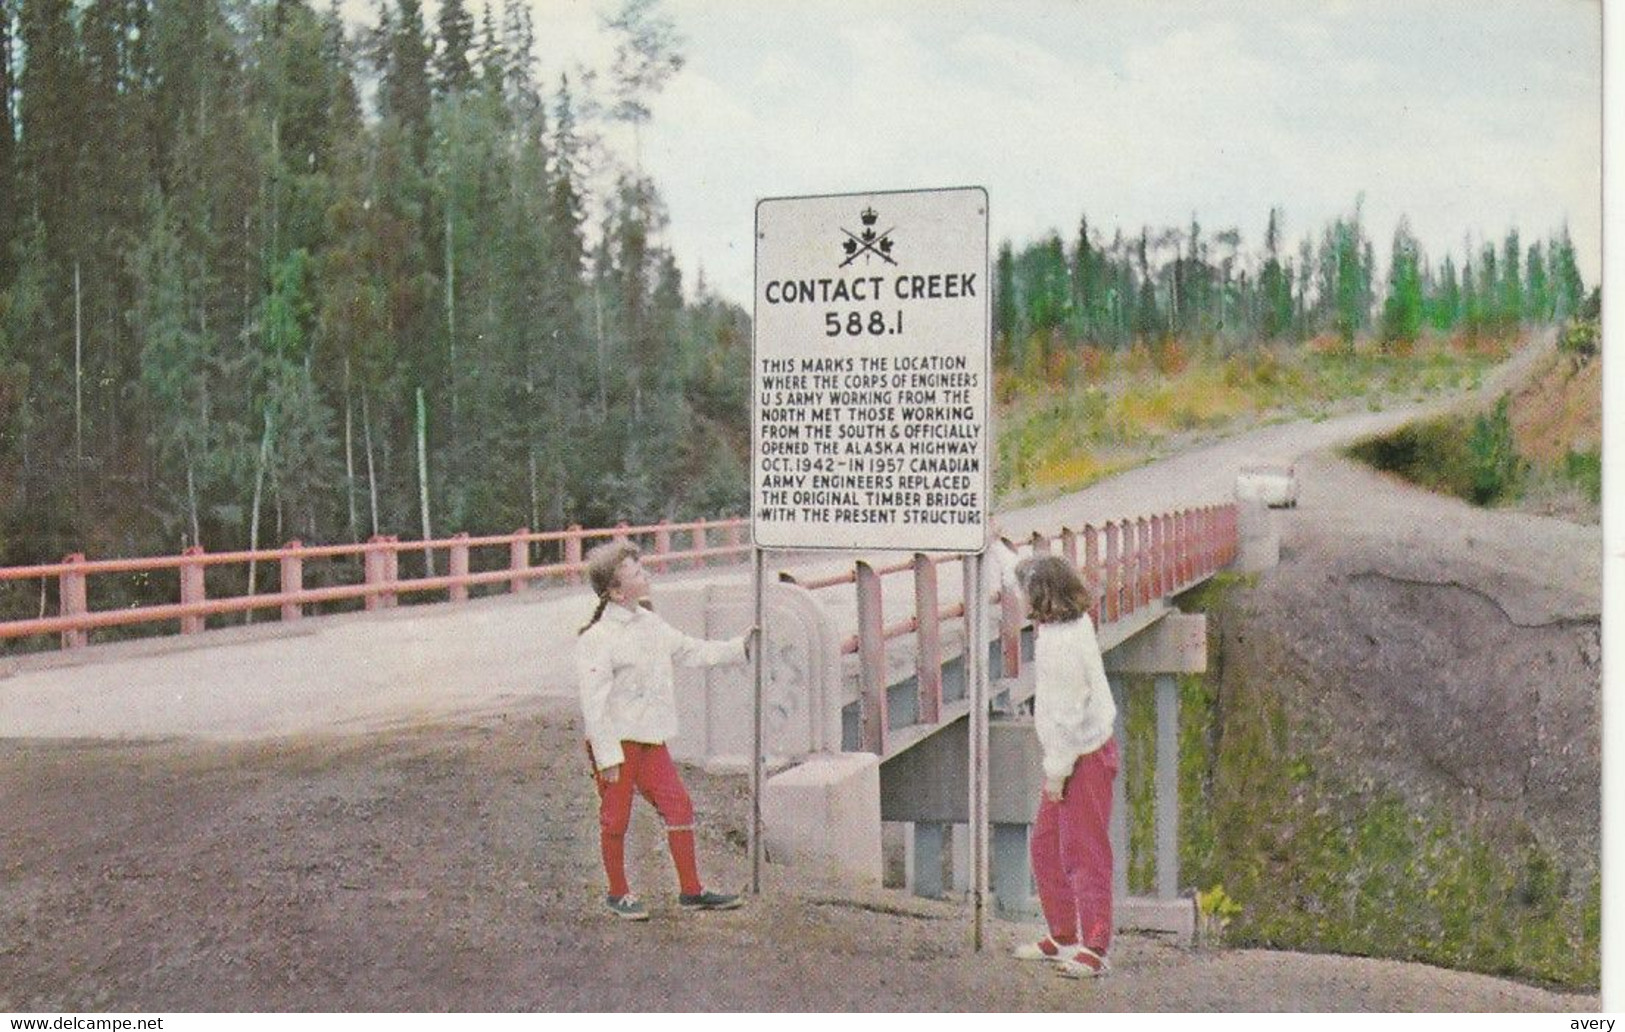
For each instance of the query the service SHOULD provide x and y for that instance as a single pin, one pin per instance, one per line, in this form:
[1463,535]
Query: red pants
[649,770]
[1072,853]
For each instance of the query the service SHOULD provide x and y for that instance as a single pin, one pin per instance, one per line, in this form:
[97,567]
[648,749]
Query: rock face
[1448,653]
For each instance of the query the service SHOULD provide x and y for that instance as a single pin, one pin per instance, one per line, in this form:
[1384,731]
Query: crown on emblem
[869,216]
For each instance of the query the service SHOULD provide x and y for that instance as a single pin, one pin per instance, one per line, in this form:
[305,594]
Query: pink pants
[1072,853]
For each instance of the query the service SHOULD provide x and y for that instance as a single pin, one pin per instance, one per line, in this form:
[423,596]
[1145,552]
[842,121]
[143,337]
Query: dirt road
[453,867]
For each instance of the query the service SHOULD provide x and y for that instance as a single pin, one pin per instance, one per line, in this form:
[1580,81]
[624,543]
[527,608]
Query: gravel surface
[454,867]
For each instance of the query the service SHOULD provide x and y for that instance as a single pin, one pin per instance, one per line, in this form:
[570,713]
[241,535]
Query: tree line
[1180,284]
[266,276]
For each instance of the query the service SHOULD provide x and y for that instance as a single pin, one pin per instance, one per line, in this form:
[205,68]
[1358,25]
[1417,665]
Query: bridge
[865,692]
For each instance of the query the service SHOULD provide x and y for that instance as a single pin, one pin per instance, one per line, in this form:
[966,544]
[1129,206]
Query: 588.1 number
[857,324]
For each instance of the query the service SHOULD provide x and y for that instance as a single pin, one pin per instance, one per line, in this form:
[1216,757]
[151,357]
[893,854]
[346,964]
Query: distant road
[419,664]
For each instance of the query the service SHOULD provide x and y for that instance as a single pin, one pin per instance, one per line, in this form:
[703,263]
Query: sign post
[872,383]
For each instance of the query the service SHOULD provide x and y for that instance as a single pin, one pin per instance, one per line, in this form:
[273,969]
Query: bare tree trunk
[254,513]
[372,475]
[78,372]
[191,499]
[349,454]
[423,482]
[603,356]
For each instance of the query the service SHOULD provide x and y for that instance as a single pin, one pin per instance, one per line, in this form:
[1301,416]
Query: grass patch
[1309,859]
[1471,457]
[1065,426]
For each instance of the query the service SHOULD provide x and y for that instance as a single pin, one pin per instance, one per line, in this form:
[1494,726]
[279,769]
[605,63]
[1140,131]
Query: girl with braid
[1075,718]
[624,658]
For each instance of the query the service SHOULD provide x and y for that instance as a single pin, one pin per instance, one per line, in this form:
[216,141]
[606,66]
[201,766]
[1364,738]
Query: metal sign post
[871,391]
[976,689]
[756,725]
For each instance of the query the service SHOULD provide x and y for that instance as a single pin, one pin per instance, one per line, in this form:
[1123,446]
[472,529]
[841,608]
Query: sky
[1465,118]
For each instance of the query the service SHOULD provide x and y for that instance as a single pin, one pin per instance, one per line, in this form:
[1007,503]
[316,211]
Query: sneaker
[703,900]
[1044,949]
[1086,963]
[627,907]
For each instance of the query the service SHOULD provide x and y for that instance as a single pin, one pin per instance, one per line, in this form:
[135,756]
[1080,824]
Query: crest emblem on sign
[867,244]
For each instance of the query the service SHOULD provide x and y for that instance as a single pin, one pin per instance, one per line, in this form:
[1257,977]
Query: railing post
[1011,617]
[1069,546]
[293,581]
[392,571]
[1182,572]
[459,566]
[192,587]
[662,546]
[621,536]
[1161,583]
[519,560]
[698,544]
[871,659]
[1130,580]
[72,600]
[1147,559]
[1113,572]
[1040,544]
[927,640]
[1093,575]
[572,551]
[372,572]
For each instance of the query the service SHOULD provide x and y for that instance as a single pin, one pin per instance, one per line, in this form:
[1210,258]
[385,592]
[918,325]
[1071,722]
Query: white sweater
[624,671]
[1073,711]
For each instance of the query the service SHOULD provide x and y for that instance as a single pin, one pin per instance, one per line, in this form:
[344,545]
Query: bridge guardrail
[380,586]
[1129,561]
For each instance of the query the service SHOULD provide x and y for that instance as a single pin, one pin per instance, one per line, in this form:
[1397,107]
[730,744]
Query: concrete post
[72,600]
[293,581]
[1012,869]
[1260,538]
[1118,826]
[697,544]
[192,589]
[1167,786]
[930,845]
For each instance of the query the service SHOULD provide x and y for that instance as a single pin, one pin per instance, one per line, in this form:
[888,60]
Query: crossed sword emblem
[868,243]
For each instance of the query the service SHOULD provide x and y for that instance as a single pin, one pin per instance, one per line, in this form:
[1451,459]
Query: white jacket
[1073,711]
[624,670]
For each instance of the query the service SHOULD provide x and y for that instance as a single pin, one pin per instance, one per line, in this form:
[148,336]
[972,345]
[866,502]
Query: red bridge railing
[1131,561]
[380,586]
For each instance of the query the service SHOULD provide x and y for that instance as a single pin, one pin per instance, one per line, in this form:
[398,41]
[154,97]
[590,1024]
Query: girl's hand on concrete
[611,774]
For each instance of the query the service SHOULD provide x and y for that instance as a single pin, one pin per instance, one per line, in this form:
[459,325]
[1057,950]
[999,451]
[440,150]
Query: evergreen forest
[268,274]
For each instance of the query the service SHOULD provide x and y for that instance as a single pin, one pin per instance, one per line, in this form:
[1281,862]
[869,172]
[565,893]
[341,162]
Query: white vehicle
[1273,483]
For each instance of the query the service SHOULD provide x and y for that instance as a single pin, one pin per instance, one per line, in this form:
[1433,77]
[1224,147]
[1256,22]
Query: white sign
[871,372]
